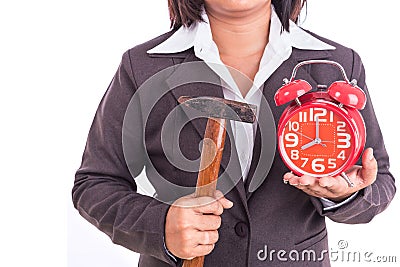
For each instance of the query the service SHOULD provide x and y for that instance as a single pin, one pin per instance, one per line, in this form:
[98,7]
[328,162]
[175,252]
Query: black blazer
[275,215]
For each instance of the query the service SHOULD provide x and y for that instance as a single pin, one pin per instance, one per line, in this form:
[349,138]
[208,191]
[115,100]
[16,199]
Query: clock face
[317,141]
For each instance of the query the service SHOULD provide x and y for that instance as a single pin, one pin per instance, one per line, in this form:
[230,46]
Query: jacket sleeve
[104,191]
[375,198]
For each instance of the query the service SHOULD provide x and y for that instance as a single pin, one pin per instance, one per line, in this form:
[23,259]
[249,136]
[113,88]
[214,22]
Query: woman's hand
[336,188]
[191,227]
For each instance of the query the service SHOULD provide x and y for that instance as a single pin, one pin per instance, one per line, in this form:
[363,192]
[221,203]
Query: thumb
[369,168]
[227,204]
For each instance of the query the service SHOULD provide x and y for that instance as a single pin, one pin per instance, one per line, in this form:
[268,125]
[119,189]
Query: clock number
[294,126]
[291,138]
[341,126]
[317,165]
[345,140]
[342,155]
[332,163]
[305,160]
[314,113]
[322,113]
[303,116]
[331,116]
[294,155]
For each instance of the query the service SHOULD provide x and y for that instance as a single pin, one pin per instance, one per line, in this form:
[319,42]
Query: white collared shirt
[279,49]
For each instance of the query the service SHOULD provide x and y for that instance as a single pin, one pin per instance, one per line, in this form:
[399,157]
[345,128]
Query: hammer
[218,111]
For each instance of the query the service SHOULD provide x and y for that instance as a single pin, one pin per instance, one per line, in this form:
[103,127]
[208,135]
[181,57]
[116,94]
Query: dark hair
[185,12]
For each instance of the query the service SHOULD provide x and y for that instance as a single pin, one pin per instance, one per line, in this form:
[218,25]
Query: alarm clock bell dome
[347,94]
[291,91]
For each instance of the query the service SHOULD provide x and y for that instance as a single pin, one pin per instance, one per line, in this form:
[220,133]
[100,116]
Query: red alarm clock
[321,133]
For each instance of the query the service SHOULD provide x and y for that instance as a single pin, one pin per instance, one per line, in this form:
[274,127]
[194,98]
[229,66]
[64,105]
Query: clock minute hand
[317,139]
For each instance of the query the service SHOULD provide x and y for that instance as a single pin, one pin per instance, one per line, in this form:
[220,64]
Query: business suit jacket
[275,215]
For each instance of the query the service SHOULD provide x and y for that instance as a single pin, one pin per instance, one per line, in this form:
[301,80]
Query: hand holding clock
[336,188]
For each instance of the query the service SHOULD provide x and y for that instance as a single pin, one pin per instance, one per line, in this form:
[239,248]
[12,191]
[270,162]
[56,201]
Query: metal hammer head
[214,107]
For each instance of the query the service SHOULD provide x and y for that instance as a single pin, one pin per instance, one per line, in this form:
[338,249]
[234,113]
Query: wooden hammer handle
[211,155]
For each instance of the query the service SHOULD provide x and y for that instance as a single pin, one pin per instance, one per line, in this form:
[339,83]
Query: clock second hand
[321,143]
[306,136]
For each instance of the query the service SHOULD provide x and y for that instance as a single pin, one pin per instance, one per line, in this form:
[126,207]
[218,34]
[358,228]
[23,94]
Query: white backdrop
[56,61]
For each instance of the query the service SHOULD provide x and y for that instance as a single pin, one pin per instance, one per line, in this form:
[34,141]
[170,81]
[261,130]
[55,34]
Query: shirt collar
[187,37]
[278,49]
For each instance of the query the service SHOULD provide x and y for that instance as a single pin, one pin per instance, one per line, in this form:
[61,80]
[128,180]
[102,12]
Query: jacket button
[241,229]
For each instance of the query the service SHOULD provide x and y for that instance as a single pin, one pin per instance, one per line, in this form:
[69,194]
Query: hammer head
[214,107]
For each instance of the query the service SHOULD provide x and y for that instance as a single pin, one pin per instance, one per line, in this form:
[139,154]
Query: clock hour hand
[312,143]
[317,140]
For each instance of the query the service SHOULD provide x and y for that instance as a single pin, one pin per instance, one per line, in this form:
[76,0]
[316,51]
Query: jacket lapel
[193,78]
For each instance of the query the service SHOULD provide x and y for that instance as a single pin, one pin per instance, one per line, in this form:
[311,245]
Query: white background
[56,61]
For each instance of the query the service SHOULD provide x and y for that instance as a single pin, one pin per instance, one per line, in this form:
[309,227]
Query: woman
[260,43]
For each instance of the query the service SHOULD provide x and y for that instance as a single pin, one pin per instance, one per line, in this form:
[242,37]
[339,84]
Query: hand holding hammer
[192,232]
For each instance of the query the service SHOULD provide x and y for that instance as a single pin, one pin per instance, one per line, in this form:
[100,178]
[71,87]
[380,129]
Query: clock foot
[347,179]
